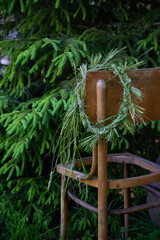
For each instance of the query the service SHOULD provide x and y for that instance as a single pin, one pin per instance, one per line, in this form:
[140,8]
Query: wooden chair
[102,98]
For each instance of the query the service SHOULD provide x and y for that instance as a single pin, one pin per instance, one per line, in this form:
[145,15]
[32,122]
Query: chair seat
[143,181]
[128,158]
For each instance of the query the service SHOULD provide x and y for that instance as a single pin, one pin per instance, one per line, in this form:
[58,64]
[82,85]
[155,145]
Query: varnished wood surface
[112,184]
[102,166]
[147,80]
[133,181]
[103,96]
[64,209]
[116,183]
[77,176]
[141,207]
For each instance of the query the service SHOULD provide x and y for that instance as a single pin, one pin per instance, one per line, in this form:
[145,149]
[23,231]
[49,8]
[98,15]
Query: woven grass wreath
[75,119]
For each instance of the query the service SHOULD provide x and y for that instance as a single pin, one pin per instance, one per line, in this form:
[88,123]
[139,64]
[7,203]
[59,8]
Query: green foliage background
[53,39]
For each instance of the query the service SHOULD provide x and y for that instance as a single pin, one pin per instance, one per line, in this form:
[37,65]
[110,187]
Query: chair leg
[102,190]
[64,209]
[102,165]
[126,200]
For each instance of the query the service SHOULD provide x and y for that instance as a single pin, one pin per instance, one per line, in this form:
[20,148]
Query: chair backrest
[147,80]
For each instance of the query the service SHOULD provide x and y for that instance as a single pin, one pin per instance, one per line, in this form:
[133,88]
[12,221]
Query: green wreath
[71,136]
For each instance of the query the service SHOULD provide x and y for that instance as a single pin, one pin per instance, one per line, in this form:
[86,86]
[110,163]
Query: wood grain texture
[77,176]
[126,158]
[147,80]
[103,96]
[64,209]
[102,166]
